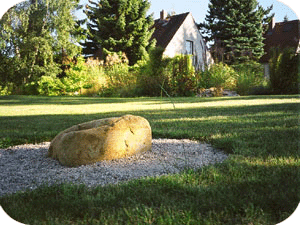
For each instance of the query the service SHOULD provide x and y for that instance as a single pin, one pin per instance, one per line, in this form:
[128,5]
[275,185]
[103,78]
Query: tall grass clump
[94,67]
[284,71]
[120,77]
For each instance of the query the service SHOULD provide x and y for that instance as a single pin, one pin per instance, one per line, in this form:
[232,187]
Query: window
[189,47]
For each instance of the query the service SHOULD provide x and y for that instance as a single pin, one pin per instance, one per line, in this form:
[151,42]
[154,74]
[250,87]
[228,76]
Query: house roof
[283,35]
[166,29]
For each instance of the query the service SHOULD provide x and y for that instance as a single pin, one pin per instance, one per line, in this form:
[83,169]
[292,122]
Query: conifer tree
[118,26]
[236,28]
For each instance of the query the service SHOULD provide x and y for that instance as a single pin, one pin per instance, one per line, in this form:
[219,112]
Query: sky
[199,8]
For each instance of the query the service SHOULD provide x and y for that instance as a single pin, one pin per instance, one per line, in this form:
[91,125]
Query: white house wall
[188,31]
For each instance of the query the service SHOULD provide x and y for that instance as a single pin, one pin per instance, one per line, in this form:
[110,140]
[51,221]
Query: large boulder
[103,139]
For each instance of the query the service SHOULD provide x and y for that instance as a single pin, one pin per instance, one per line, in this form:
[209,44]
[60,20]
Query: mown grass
[257,184]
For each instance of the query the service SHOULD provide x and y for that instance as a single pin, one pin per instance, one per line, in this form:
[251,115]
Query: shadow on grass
[71,100]
[247,130]
[257,194]
[68,100]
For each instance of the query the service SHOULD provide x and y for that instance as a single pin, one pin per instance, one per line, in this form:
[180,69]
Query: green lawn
[258,183]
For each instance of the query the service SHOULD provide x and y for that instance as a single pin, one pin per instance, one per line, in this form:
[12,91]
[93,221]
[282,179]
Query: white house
[179,34]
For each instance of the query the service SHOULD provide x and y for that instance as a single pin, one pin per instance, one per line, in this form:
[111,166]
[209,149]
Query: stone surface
[103,139]
[27,167]
[214,92]
[230,93]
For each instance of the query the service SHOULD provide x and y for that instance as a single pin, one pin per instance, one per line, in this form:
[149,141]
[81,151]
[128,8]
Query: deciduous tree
[34,36]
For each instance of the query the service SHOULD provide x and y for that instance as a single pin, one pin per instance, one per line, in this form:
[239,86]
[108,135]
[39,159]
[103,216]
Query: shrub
[250,76]
[154,75]
[167,76]
[76,77]
[49,83]
[245,78]
[50,86]
[284,71]
[84,78]
[5,90]
[263,89]
[183,81]
[220,76]
[80,78]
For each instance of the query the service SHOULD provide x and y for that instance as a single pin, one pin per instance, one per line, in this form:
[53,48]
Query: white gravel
[27,166]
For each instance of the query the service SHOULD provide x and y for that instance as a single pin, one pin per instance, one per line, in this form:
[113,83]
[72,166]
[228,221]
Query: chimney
[272,24]
[163,15]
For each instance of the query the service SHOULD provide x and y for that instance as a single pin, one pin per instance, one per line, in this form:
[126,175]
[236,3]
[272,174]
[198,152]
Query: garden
[55,73]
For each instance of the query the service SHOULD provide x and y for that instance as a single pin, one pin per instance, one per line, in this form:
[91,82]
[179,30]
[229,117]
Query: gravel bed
[27,166]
